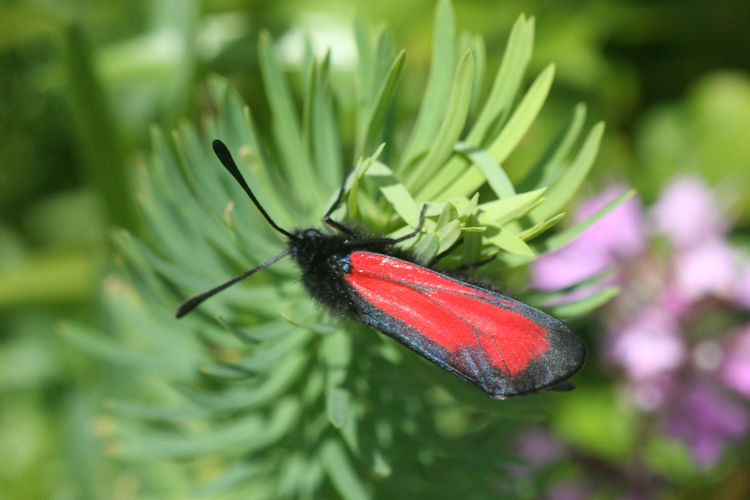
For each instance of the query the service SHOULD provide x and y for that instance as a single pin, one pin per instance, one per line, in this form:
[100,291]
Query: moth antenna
[194,302]
[225,157]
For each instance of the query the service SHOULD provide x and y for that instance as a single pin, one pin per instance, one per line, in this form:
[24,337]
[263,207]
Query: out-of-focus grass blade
[475,43]
[325,136]
[269,355]
[365,67]
[234,476]
[224,372]
[586,305]
[370,137]
[276,383]
[566,186]
[268,330]
[492,171]
[549,168]
[336,350]
[507,81]
[286,127]
[339,468]
[451,126]
[438,88]
[204,222]
[115,353]
[97,134]
[148,411]
[49,278]
[247,434]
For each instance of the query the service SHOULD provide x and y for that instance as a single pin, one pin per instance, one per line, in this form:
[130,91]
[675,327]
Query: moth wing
[504,346]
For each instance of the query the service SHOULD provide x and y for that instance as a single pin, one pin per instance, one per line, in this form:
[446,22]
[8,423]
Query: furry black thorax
[320,256]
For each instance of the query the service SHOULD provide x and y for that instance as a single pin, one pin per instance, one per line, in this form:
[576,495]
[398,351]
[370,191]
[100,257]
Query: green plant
[267,396]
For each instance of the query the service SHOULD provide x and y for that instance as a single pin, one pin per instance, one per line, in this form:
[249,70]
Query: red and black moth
[504,346]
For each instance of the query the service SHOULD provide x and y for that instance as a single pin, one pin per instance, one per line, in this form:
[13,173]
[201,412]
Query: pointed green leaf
[508,208]
[584,306]
[395,192]
[507,81]
[566,186]
[436,94]
[510,242]
[371,134]
[451,127]
[338,466]
[492,172]
[550,167]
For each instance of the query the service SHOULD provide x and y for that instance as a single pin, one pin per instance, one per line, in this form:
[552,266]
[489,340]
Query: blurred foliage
[670,78]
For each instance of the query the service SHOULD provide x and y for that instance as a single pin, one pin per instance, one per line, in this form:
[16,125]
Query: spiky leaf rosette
[263,392]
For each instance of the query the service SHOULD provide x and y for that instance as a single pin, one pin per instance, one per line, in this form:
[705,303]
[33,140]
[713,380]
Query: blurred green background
[82,82]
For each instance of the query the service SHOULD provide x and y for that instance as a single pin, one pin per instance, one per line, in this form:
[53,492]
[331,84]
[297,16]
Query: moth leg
[340,196]
[391,241]
[444,253]
[476,264]
[465,267]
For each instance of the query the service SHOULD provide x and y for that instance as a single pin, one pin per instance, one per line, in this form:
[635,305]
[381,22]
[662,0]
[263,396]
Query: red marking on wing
[448,312]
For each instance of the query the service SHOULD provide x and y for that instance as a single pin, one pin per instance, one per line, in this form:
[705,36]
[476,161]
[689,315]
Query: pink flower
[687,213]
[742,286]
[735,370]
[649,345]
[705,420]
[621,233]
[569,490]
[538,447]
[706,268]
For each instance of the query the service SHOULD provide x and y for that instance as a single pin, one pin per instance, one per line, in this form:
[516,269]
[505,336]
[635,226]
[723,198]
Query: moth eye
[310,233]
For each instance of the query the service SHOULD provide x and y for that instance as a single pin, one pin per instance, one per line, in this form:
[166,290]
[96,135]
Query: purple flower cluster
[676,330]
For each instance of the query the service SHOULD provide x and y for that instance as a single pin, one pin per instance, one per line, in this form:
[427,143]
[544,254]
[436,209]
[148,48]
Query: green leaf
[427,247]
[339,468]
[507,81]
[550,167]
[508,208]
[585,306]
[436,94]
[510,242]
[562,238]
[287,132]
[452,125]
[541,227]
[448,235]
[565,237]
[395,192]
[98,137]
[563,190]
[236,475]
[372,132]
[463,180]
[493,173]
[115,353]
